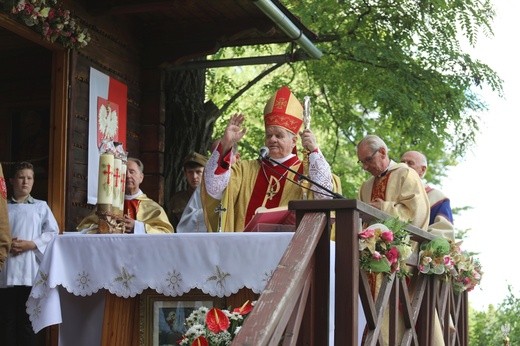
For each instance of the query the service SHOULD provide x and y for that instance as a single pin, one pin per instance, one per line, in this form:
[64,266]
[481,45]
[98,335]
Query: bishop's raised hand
[233,132]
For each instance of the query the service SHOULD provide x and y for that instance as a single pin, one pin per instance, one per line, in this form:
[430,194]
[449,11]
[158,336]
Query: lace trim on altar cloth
[219,264]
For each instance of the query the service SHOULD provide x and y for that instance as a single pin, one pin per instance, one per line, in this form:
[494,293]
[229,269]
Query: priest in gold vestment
[238,190]
[397,190]
[141,214]
[394,187]
[441,217]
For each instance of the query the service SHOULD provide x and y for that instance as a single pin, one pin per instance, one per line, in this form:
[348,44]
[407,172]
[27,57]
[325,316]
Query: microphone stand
[300,176]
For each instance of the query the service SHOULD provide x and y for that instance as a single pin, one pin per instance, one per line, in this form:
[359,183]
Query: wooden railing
[294,307]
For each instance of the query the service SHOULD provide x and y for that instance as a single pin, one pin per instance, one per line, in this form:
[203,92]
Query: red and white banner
[107,120]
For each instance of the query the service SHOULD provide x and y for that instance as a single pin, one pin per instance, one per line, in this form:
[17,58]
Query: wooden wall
[114,52]
[26,82]
[25,89]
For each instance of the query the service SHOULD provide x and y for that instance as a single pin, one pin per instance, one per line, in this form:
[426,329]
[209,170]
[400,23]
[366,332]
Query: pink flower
[392,255]
[52,21]
[448,261]
[366,233]
[376,255]
[387,236]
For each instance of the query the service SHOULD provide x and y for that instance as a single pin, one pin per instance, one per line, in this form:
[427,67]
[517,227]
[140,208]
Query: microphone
[264,155]
[264,152]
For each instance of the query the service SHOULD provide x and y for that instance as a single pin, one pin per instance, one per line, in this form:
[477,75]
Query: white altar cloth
[219,264]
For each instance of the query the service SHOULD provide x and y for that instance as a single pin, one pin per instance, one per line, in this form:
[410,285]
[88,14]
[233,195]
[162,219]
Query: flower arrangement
[435,257]
[441,256]
[385,247]
[214,327]
[53,22]
[469,272]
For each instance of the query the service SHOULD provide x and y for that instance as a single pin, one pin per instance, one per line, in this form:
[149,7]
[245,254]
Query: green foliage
[491,326]
[393,68]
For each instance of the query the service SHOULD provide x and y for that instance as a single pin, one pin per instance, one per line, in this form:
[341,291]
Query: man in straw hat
[240,189]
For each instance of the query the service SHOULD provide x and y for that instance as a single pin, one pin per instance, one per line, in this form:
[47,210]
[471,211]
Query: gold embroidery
[273,186]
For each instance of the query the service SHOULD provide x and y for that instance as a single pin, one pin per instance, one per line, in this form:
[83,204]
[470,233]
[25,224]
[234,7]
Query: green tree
[490,327]
[393,68]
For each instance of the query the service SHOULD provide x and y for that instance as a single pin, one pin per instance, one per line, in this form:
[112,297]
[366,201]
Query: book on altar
[278,219]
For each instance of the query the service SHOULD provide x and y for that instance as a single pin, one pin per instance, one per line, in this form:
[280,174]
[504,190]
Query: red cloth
[131,207]
[379,187]
[262,185]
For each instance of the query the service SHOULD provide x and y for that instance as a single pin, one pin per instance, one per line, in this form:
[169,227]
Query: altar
[79,270]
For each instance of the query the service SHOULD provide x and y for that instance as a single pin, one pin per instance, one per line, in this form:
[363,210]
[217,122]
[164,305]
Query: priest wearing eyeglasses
[394,188]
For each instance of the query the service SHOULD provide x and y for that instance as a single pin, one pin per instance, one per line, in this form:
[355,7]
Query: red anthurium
[200,341]
[245,308]
[217,321]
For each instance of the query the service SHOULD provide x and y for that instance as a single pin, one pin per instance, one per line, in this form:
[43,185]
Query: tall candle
[122,185]
[105,179]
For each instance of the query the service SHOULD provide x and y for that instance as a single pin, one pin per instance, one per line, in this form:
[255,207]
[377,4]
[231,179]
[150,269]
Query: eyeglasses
[369,159]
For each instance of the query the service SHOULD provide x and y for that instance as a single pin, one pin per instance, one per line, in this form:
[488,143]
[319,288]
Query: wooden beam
[58,136]
[105,7]
[25,32]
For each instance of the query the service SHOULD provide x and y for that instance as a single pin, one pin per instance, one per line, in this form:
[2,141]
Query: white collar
[134,196]
[283,159]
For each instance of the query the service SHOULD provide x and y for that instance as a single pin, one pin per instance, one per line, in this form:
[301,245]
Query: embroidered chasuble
[269,185]
[232,192]
[141,208]
[403,194]
[379,188]
[378,191]
[252,184]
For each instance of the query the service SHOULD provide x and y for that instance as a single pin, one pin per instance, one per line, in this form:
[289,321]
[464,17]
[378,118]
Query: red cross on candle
[108,173]
[123,181]
[116,177]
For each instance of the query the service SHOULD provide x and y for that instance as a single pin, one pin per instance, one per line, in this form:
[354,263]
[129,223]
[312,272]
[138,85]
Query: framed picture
[162,318]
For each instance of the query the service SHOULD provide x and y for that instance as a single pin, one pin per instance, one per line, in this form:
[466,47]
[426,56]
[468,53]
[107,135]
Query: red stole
[378,191]
[131,207]
[379,187]
[269,185]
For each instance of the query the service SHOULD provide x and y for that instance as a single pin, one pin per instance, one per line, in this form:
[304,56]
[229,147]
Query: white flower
[195,331]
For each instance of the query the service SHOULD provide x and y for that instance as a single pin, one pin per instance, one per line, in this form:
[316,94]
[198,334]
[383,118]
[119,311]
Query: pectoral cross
[272,189]
[219,210]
